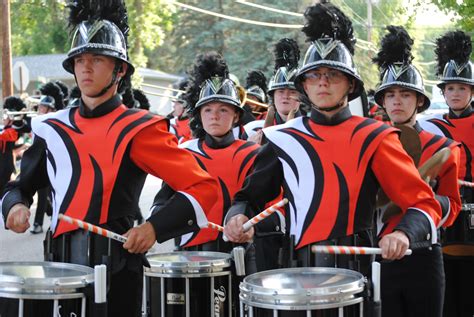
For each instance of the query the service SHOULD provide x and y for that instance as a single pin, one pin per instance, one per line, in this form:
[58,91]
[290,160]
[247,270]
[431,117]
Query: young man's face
[286,100]
[93,72]
[400,103]
[326,87]
[457,95]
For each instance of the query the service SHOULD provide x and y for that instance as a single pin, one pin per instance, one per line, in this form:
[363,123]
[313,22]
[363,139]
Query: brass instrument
[17,115]
[174,98]
[162,87]
[257,107]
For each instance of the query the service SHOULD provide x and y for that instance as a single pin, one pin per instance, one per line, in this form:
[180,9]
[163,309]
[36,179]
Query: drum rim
[315,296]
[221,261]
[11,284]
[302,306]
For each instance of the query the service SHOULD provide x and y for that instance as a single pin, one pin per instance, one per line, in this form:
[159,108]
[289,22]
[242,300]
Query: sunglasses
[332,76]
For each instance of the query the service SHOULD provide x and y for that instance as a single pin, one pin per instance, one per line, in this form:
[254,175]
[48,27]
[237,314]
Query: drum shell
[462,231]
[197,288]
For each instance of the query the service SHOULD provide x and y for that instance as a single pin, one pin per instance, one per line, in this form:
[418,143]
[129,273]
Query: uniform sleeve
[156,152]
[260,187]
[33,177]
[9,135]
[402,183]
[447,188]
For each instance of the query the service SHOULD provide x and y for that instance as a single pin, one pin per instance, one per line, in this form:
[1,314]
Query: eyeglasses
[332,76]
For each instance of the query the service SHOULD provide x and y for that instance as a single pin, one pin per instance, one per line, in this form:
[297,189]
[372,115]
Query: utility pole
[7,84]
[369,20]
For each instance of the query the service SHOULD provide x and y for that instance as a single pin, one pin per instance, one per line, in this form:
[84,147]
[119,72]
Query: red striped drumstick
[215,226]
[95,229]
[342,249]
[264,214]
[464,183]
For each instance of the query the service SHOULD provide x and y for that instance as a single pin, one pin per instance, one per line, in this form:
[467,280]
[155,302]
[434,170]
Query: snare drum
[35,289]
[309,291]
[458,239]
[189,284]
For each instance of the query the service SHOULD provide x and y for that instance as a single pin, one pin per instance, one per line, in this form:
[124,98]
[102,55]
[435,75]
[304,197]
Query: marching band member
[332,163]
[179,123]
[13,127]
[96,157]
[453,51]
[282,91]
[414,286]
[256,88]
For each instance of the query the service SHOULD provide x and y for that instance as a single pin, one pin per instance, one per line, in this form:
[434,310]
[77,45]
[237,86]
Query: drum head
[188,262]
[25,277]
[302,288]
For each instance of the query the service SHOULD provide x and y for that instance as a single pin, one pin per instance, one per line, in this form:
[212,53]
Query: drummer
[332,163]
[414,286]
[96,157]
[216,108]
[456,71]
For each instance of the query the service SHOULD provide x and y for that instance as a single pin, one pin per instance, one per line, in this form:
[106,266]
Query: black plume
[325,20]
[128,99]
[13,103]
[182,84]
[89,10]
[256,77]
[63,87]
[455,45]
[53,90]
[75,92]
[206,66]
[143,102]
[287,53]
[394,48]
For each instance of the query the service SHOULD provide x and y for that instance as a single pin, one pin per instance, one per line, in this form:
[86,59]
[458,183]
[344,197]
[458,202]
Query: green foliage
[38,27]
[463,9]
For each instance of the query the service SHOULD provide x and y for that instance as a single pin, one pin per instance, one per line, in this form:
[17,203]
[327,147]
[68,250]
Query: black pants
[459,296]
[43,206]
[414,286]
[125,270]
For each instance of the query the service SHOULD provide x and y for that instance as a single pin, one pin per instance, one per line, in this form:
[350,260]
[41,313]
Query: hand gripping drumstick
[342,249]
[261,216]
[92,228]
[464,183]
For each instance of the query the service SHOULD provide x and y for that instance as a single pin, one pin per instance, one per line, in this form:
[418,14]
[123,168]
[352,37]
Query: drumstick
[264,214]
[93,228]
[342,249]
[464,183]
[215,226]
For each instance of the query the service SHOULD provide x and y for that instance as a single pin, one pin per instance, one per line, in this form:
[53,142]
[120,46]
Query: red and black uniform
[330,170]
[180,127]
[229,161]
[414,285]
[458,240]
[96,162]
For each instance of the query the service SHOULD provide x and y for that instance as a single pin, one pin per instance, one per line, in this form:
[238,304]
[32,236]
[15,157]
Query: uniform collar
[225,142]
[466,113]
[341,116]
[101,110]
[279,119]
[417,127]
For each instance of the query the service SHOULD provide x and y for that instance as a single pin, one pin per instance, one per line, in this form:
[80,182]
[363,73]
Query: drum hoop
[349,302]
[51,283]
[168,274]
[33,296]
[219,263]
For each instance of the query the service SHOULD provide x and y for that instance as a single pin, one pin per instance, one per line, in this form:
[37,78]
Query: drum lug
[471,219]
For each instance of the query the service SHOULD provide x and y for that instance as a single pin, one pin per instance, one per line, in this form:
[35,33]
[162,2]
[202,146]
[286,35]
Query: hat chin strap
[338,105]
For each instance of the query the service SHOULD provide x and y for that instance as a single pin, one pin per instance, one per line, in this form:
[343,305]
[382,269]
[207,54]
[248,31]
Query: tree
[463,9]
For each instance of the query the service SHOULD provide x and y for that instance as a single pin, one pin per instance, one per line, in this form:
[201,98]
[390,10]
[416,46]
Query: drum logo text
[175,299]
[219,298]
